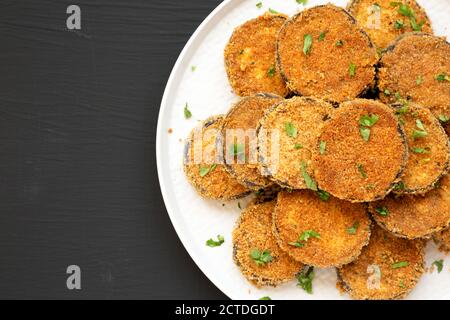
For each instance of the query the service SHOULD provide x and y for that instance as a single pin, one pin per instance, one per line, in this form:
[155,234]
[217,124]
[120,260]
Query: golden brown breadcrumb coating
[245,115]
[384,21]
[416,67]
[217,183]
[297,123]
[397,263]
[250,57]
[442,238]
[415,216]
[254,231]
[353,168]
[339,63]
[337,229]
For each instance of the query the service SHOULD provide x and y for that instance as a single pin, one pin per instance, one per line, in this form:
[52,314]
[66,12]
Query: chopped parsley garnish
[421,150]
[416,26]
[419,80]
[406,11]
[259,5]
[399,24]
[290,129]
[310,183]
[261,258]
[265,298]
[187,112]
[271,71]
[212,243]
[205,170]
[298,146]
[421,132]
[339,43]
[354,228]
[322,147]
[443,118]
[352,69]
[366,122]
[400,264]
[387,92]
[307,43]
[399,186]
[361,170]
[439,265]
[382,211]
[303,2]
[273,11]
[193,68]
[304,237]
[305,280]
[401,284]
[398,96]
[442,77]
[402,110]
[237,150]
[321,36]
[323,195]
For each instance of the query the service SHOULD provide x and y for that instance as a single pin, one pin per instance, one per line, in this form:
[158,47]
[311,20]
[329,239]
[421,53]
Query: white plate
[207,92]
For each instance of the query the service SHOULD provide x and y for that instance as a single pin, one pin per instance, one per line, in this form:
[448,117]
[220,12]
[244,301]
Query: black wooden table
[78,179]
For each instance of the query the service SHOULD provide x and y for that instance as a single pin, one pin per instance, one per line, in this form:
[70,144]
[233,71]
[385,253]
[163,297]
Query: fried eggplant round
[322,52]
[287,139]
[204,167]
[385,20]
[250,57]
[415,216]
[429,151]
[239,139]
[320,233]
[388,268]
[255,249]
[416,67]
[365,152]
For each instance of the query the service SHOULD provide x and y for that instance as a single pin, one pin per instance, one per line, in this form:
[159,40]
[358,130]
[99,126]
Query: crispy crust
[382,158]
[307,114]
[423,170]
[416,216]
[245,115]
[383,251]
[254,231]
[302,210]
[442,238]
[366,14]
[217,184]
[324,72]
[250,54]
[416,56]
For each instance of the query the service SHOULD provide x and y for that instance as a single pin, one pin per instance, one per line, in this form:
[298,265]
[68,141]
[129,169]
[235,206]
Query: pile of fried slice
[345,151]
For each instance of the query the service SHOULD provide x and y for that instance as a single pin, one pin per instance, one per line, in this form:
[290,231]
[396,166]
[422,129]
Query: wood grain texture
[78,180]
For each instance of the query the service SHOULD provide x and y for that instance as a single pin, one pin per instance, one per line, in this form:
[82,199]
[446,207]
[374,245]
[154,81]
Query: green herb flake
[193,68]
[387,92]
[365,133]
[367,121]
[271,71]
[439,265]
[323,195]
[352,69]
[273,11]
[305,280]
[259,5]
[398,96]
[443,118]
[303,2]
[414,25]
[322,147]
[307,43]
[403,110]
[298,146]
[265,298]
[310,183]
[203,171]
[401,284]
[308,234]
[321,36]
[261,258]
[405,10]
[290,129]
[187,112]
[419,80]
[400,264]
[339,43]
[399,186]
[237,150]
[421,150]
[399,24]
[354,228]
[382,211]
[361,170]
[212,243]
[442,77]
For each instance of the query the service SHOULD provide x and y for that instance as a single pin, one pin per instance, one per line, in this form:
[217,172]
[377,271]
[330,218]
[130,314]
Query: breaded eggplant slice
[416,67]
[250,57]
[442,238]
[320,233]
[239,139]
[388,268]
[415,216]
[322,52]
[287,139]
[384,20]
[429,151]
[365,152]
[204,169]
[253,235]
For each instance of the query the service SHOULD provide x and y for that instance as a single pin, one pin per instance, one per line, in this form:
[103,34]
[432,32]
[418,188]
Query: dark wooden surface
[78,181]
